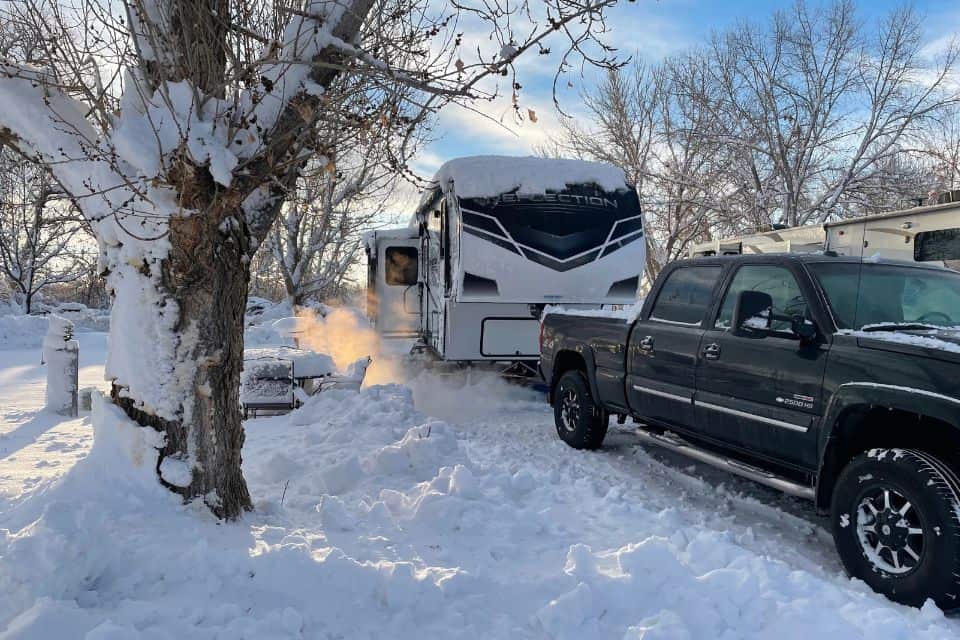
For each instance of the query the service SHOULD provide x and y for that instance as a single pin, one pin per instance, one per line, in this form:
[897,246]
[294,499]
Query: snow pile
[21,332]
[260,316]
[374,520]
[487,176]
[55,548]
[84,318]
[269,323]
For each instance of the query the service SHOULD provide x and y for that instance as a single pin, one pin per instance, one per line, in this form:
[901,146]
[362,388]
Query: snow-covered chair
[352,378]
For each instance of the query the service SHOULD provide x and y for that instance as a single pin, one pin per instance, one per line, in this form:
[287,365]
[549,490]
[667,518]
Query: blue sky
[649,28]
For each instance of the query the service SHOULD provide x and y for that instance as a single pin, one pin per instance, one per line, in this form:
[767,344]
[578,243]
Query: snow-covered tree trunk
[204,278]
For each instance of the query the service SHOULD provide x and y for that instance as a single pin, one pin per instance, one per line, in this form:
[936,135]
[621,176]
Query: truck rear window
[686,295]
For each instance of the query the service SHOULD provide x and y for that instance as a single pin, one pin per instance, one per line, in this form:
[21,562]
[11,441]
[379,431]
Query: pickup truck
[829,378]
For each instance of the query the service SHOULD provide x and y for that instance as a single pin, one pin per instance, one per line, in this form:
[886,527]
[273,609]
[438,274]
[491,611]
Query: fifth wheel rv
[496,239]
[921,234]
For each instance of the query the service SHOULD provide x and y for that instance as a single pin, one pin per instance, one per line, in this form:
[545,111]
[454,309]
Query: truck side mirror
[803,329]
[752,312]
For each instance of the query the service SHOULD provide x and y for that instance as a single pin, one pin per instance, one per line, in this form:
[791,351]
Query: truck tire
[580,422]
[896,525]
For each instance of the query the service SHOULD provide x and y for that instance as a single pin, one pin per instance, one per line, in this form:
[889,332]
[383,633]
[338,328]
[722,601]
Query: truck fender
[590,363]
[871,395]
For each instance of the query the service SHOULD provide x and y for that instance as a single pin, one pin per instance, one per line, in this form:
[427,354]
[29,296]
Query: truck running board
[762,476]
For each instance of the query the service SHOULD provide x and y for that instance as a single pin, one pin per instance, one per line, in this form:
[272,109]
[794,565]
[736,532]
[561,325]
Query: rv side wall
[894,236]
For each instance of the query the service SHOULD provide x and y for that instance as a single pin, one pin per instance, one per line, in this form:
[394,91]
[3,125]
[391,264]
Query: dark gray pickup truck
[828,378]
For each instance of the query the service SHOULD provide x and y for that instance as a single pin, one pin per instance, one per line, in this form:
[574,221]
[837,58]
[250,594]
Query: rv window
[939,245]
[401,267]
[686,295]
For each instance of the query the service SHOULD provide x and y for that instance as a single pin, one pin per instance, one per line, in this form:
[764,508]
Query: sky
[649,29]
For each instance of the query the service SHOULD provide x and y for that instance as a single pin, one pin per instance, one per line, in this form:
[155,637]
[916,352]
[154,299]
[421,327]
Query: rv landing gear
[521,371]
[418,349]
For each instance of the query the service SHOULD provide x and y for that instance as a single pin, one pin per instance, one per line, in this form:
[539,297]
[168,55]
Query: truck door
[397,292]
[663,347]
[762,391]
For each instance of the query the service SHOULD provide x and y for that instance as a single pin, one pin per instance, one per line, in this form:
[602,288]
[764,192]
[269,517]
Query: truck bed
[601,338]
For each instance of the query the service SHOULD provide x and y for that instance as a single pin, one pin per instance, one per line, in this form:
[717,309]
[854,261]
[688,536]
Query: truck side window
[401,266]
[686,295]
[776,281]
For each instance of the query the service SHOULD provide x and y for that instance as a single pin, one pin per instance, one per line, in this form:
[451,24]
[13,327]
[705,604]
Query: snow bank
[487,176]
[56,548]
[21,332]
[374,520]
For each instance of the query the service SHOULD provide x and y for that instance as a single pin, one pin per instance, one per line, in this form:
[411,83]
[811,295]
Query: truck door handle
[646,344]
[712,351]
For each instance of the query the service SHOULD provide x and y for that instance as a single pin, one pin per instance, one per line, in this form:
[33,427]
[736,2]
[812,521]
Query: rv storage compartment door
[510,337]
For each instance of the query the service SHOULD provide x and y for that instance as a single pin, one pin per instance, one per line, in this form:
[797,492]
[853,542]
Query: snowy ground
[462,517]
[37,447]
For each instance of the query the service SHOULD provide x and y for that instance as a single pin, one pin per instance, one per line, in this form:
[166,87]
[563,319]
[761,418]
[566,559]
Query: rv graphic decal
[561,231]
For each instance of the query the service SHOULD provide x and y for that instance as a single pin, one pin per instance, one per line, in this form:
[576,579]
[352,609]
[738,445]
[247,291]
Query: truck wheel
[580,422]
[896,525]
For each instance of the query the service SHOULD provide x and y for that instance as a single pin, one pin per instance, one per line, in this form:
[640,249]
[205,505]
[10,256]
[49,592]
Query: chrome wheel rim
[569,409]
[890,531]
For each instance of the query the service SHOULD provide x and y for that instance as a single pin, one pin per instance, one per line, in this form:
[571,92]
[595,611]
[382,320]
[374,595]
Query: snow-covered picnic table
[306,364]
[280,378]
[273,377]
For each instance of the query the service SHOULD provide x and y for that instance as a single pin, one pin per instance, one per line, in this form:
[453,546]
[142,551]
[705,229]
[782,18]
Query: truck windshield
[880,296]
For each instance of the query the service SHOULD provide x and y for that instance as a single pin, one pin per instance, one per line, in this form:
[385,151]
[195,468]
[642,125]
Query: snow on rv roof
[485,176]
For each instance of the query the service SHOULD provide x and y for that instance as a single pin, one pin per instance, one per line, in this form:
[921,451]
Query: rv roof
[486,176]
[933,208]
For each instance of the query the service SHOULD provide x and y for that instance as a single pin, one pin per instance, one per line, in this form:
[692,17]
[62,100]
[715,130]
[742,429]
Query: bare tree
[925,164]
[938,146]
[180,128]
[317,236]
[641,121]
[316,239]
[816,100]
[38,232]
[811,116]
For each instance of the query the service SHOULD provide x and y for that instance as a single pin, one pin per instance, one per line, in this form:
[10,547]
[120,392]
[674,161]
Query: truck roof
[807,258]
[912,211]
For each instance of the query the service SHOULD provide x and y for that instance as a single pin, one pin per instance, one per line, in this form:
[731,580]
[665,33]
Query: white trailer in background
[393,289]
[921,234]
[498,238]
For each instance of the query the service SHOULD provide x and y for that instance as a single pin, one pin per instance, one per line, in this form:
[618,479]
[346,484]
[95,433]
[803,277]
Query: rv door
[433,254]
[397,289]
